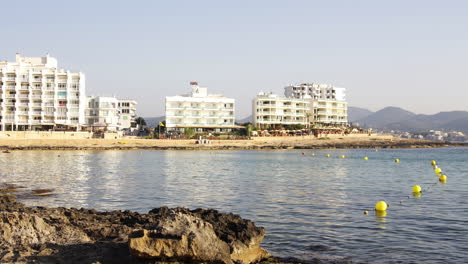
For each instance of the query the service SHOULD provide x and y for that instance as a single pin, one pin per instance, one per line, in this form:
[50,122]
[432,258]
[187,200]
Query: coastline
[265,143]
[163,235]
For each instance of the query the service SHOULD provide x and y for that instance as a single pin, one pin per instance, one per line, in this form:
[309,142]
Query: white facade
[270,110]
[200,110]
[36,95]
[328,103]
[109,113]
[127,114]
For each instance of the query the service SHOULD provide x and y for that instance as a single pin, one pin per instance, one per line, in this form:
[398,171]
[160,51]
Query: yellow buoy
[376,150]
[443,178]
[381,214]
[366,212]
[328,155]
[313,154]
[433,163]
[416,189]
[366,158]
[397,160]
[381,206]
[417,195]
[343,156]
[438,170]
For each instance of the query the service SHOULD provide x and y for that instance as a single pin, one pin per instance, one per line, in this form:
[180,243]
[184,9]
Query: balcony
[37,121]
[35,113]
[22,104]
[61,80]
[23,96]
[47,121]
[48,96]
[10,96]
[10,87]
[9,79]
[9,104]
[73,97]
[36,96]
[48,113]
[37,80]
[22,112]
[36,87]
[24,88]
[35,105]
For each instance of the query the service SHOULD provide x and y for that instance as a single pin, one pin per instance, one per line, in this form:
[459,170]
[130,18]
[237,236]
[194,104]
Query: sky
[409,54]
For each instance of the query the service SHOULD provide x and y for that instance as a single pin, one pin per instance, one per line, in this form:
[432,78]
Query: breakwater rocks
[163,235]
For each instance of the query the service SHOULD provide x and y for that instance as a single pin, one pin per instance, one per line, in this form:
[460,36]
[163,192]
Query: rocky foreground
[163,235]
[61,235]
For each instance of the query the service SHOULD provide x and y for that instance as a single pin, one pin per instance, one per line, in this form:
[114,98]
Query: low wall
[331,136]
[44,135]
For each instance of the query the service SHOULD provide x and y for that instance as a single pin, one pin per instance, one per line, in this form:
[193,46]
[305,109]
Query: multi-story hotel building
[127,114]
[328,103]
[109,113]
[270,111]
[36,95]
[200,110]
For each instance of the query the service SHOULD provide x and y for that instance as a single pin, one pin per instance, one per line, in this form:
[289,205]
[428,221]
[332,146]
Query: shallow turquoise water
[308,205]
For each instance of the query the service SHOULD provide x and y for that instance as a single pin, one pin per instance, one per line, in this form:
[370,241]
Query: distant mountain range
[395,118]
[154,121]
[388,118]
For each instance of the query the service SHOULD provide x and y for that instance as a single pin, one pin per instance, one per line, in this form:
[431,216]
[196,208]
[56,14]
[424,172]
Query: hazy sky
[411,54]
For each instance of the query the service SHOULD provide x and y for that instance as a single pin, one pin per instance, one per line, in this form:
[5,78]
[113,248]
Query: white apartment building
[200,110]
[328,103]
[110,113]
[127,114]
[270,110]
[36,95]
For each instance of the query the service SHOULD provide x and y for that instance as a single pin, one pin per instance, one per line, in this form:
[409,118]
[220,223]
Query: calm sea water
[308,205]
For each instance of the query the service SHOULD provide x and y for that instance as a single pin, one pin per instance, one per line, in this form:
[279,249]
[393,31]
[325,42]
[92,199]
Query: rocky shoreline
[163,235]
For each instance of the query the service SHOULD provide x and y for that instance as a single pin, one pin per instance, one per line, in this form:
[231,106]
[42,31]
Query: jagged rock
[180,237]
[62,235]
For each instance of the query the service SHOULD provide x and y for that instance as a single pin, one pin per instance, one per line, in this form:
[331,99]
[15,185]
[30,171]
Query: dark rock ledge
[163,235]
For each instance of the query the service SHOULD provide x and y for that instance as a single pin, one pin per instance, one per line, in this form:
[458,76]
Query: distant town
[38,96]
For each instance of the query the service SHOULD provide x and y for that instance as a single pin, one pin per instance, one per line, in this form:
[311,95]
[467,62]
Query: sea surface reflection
[309,205]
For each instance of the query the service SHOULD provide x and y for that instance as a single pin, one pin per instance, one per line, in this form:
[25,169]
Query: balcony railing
[22,112]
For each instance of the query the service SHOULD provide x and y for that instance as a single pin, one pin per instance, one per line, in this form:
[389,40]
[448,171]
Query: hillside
[154,121]
[384,117]
[393,118]
[357,113]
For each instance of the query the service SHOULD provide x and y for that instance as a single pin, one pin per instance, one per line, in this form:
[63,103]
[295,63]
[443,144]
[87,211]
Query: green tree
[140,121]
[189,132]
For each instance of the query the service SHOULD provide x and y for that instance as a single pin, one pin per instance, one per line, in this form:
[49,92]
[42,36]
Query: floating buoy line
[382,206]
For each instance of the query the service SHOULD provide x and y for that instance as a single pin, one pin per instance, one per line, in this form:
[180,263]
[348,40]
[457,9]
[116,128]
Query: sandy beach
[305,142]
